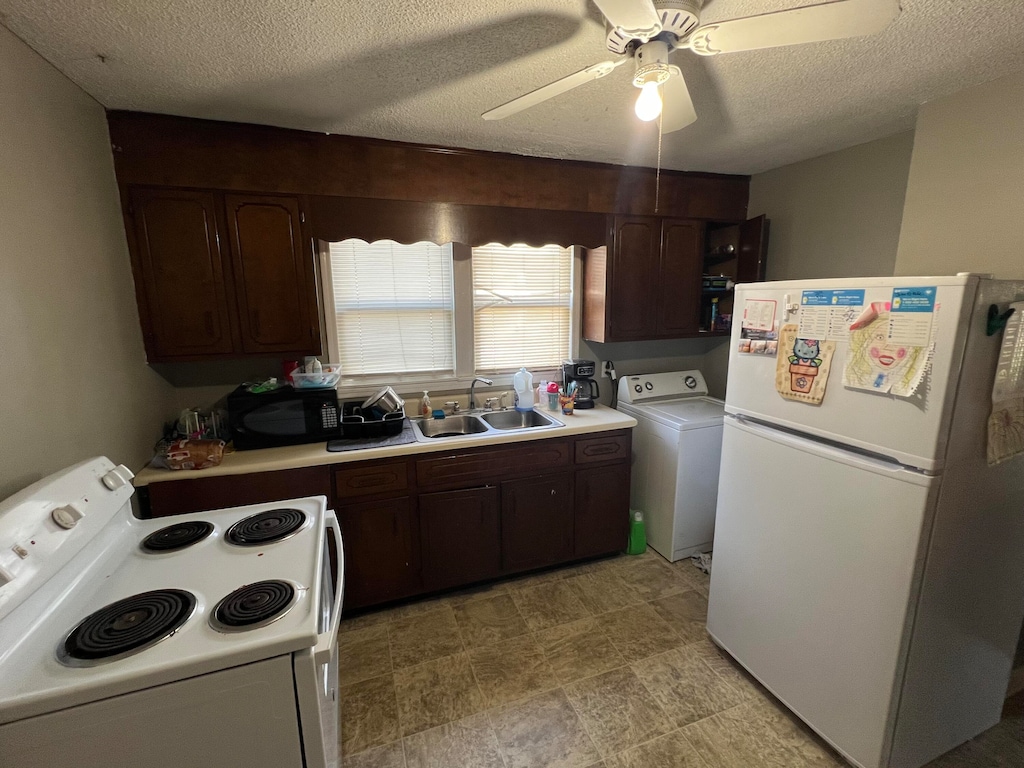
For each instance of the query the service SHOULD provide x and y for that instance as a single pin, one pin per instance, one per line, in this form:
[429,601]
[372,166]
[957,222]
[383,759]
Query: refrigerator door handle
[832,453]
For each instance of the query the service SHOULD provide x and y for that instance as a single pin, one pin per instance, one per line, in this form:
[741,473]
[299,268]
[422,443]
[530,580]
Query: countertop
[599,419]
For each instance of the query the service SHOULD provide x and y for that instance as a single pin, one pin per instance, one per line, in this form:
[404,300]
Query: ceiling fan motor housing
[651,64]
[678,19]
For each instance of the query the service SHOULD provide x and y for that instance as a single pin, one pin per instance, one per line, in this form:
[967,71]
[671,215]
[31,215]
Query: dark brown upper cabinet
[649,285]
[221,276]
[646,283]
[179,278]
[274,282]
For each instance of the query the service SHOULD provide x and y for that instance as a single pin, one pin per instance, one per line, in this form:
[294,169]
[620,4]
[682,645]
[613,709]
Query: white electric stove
[677,447]
[207,639]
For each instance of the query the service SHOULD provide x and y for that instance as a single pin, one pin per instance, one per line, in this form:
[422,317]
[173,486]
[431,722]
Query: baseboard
[1016,682]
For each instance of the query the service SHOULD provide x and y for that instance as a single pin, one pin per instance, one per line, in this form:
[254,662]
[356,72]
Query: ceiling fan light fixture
[648,103]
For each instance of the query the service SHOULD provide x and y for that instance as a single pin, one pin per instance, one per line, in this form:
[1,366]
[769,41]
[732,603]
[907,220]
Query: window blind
[393,307]
[522,299]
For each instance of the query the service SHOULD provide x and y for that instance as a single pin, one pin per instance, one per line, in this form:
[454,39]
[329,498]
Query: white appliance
[676,447]
[206,639]
[868,562]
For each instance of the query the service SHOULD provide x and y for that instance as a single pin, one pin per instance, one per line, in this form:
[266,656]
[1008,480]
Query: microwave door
[279,419]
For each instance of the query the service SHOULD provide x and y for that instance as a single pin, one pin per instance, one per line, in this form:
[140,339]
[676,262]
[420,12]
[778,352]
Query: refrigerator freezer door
[817,565]
[911,430]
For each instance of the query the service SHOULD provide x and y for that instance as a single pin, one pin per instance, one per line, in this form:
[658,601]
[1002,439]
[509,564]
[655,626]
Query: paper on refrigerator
[1006,422]
[877,362]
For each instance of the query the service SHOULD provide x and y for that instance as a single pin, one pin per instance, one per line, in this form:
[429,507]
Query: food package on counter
[189,454]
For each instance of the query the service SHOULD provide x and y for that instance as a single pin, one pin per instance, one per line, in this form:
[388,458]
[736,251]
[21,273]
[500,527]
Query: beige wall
[837,215]
[965,199]
[76,381]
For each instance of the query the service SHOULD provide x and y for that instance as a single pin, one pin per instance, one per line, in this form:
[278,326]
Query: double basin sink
[486,422]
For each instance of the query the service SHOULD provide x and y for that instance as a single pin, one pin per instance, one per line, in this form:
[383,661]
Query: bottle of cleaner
[523,383]
[425,409]
[637,534]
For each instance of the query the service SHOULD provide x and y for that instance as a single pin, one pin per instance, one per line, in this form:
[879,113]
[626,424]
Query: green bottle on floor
[637,534]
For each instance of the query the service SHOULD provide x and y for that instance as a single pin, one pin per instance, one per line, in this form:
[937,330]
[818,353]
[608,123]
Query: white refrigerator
[868,562]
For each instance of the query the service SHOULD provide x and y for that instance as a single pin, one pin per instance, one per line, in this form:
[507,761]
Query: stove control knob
[638,389]
[118,477]
[648,386]
[690,382]
[66,517]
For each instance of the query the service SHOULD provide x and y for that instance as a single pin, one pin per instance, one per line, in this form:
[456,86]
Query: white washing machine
[677,447]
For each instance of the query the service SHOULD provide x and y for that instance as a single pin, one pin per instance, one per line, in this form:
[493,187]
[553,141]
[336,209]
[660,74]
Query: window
[438,315]
[392,306]
[522,306]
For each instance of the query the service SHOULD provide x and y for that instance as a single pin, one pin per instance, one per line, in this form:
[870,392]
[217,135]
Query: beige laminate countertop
[598,419]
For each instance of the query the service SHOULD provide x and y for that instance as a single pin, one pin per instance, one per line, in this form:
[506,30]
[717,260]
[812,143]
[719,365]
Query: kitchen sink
[488,422]
[450,426]
[505,420]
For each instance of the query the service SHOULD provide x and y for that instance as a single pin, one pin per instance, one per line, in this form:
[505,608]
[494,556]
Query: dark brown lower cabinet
[381,543]
[536,522]
[602,510]
[460,532]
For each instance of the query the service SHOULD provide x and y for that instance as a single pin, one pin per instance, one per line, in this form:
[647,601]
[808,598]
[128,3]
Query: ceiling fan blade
[633,18]
[677,108]
[825,21]
[551,90]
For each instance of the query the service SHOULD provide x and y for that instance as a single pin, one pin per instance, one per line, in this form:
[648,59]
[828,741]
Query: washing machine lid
[684,413]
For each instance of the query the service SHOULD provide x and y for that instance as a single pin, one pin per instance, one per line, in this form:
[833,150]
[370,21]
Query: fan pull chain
[657,171]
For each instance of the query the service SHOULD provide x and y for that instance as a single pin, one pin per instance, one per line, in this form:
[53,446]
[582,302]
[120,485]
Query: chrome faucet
[472,399]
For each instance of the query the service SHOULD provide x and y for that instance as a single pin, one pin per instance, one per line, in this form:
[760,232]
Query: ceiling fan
[649,30]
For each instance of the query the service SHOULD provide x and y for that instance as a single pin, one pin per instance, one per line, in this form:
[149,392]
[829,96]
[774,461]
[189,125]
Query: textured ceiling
[425,71]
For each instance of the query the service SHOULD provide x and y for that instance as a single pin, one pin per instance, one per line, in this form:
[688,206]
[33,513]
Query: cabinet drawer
[462,470]
[372,480]
[612,447]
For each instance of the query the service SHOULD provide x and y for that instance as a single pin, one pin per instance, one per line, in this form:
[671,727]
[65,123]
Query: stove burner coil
[266,527]
[127,627]
[177,536]
[254,605]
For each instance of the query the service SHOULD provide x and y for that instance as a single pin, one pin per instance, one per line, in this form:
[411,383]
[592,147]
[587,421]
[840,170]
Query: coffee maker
[578,373]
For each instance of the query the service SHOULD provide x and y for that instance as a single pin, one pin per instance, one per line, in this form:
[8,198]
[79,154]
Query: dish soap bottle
[425,409]
[523,383]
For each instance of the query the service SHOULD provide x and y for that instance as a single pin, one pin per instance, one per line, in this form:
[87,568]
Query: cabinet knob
[552,491]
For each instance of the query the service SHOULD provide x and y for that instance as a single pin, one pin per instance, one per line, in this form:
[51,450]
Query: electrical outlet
[606,368]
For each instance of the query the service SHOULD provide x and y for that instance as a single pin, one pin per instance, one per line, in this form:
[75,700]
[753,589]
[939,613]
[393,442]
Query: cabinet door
[602,510]
[381,551]
[273,268]
[678,283]
[634,274]
[461,536]
[536,522]
[178,269]
[752,250]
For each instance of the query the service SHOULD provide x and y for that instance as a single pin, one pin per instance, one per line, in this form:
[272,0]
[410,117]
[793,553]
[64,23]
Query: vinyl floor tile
[466,743]
[686,612]
[511,670]
[638,632]
[543,732]
[369,714]
[669,751]
[363,653]
[577,650]
[548,605]
[388,756]
[684,685]
[618,711]
[436,692]
[603,591]
[421,637]
[489,620]
[735,739]
[653,578]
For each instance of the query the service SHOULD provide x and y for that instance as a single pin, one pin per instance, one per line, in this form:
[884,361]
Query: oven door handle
[325,641]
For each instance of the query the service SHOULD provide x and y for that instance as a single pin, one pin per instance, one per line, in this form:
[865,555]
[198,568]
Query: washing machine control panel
[650,386]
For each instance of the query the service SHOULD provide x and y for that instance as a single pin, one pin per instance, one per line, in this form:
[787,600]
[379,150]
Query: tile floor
[603,665]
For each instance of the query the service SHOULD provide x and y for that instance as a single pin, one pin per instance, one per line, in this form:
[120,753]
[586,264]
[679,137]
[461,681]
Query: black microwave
[284,416]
